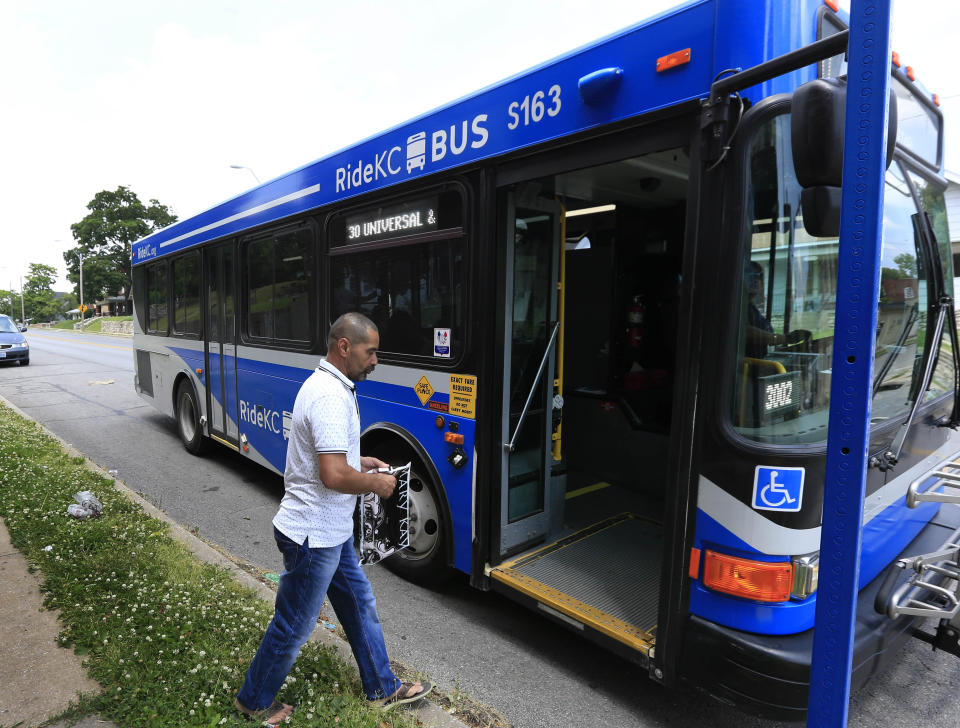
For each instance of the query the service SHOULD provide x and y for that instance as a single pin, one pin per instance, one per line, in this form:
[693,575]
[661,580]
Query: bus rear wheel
[424,561]
[187,415]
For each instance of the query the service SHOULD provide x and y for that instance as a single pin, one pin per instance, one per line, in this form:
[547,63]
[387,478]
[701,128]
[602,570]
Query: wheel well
[181,377]
[387,434]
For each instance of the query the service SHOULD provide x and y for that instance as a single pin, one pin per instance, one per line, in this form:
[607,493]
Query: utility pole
[23,316]
[83,308]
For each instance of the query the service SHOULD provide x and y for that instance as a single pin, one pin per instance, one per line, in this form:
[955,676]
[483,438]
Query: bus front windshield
[781,392]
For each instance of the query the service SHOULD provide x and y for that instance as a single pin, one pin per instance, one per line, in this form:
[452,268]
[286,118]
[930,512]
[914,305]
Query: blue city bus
[605,293]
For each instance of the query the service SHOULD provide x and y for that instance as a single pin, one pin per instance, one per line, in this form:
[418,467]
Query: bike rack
[948,474]
[932,591]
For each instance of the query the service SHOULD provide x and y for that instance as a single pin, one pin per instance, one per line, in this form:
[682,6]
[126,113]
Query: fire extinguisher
[635,323]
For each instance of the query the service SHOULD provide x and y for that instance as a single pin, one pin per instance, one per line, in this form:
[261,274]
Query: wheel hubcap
[424,523]
[188,427]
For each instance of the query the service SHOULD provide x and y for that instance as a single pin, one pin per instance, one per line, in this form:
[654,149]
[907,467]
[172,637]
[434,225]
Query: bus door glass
[221,357]
[533,240]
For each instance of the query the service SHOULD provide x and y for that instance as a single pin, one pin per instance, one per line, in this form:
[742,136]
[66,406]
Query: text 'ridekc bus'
[605,293]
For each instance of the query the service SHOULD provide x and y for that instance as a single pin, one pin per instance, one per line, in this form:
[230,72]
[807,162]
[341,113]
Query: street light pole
[23,315]
[240,166]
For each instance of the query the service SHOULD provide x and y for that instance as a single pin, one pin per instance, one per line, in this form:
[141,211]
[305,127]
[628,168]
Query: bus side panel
[265,407]
[420,422]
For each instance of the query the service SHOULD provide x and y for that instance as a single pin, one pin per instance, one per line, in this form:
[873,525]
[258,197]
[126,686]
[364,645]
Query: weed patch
[168,638]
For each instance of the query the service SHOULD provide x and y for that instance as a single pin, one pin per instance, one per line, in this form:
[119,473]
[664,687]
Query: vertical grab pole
[864,164]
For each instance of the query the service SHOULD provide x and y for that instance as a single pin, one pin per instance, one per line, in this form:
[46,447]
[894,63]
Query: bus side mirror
[816,133]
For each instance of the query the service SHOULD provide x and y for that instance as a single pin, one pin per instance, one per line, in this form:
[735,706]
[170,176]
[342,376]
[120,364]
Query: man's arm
[337,475]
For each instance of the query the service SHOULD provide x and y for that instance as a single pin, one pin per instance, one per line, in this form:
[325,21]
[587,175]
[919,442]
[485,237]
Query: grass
[168,638]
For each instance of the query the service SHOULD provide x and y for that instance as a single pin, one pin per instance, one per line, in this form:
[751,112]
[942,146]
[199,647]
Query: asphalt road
[535,673]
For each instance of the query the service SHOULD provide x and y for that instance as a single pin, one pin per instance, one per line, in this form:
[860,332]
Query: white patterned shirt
[326,419]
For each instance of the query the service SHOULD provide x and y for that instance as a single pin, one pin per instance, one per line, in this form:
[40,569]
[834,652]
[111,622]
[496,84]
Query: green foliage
[6,302]
[39,301]
[906,265]
[105,237]
[168,639]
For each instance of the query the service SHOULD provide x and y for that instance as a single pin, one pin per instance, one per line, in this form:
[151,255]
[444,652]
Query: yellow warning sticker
[423,389]
[463,395]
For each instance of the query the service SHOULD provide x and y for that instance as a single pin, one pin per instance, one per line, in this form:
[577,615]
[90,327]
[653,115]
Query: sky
[163,97]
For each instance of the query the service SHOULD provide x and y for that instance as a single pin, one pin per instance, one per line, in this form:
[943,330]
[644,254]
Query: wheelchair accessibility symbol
[777,489]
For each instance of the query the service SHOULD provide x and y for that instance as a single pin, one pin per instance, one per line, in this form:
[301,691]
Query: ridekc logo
[777,488]
[420,148]
[266,419]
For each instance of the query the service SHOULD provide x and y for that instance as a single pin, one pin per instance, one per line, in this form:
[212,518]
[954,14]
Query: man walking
[314,531]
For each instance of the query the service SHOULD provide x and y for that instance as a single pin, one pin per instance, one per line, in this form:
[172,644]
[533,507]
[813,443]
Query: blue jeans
[309,574]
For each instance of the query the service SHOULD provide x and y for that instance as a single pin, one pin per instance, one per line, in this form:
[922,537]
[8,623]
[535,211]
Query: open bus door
[221,345]
[531,326]
[585,427]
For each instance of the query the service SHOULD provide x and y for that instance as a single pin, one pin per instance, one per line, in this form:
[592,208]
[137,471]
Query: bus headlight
[806,572]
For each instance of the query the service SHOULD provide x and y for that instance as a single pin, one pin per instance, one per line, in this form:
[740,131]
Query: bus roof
[606,81]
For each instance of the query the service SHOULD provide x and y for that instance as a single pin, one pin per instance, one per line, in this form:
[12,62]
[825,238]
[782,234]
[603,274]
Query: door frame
[535,526]
[677,126]
[225,350]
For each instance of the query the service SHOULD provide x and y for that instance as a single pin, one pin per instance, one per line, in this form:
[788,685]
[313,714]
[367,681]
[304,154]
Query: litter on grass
[87,505]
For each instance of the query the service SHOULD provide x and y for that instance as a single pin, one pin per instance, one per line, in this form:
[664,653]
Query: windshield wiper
[895,349]
[923,229]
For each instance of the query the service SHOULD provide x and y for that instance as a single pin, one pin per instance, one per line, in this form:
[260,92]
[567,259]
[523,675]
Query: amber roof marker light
[672,60]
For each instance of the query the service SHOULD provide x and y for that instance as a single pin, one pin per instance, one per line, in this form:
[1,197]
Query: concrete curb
[84,333]
[430,714]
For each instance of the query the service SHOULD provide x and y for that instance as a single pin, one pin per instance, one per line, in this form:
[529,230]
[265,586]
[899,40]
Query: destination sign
[409,218]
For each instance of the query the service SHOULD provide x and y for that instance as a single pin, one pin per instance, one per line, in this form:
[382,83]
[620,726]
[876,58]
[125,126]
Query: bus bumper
[769,675]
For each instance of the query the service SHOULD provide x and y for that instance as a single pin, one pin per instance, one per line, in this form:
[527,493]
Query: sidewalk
[38,678]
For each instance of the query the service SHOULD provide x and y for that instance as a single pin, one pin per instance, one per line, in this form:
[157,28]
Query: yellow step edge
[225,442]
[634,637]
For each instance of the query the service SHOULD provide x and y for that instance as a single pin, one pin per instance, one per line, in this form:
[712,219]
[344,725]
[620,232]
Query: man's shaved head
[353,326]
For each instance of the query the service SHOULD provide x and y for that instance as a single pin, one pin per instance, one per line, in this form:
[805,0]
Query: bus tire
[187,415]
[424,561]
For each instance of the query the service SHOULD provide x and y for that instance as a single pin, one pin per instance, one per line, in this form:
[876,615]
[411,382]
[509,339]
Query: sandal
[406,693]
[276,713]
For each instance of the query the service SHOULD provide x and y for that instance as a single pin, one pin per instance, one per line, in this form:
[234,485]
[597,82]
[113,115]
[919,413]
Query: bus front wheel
[188,420]
[424,561]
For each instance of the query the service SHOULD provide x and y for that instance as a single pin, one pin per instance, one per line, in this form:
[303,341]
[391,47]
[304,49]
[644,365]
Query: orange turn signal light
[910,73]
[832,4]
[936,99]
[199,370]
[673,60]
[454,438]
[762,581]
[895,57]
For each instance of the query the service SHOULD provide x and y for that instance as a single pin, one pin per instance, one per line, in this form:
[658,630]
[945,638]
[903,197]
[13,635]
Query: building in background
[952,199]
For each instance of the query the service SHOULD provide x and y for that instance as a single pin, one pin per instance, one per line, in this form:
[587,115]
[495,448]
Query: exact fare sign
[463,395]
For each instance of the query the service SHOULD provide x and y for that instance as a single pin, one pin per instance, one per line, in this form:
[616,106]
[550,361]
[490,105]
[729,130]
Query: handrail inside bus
[533,388]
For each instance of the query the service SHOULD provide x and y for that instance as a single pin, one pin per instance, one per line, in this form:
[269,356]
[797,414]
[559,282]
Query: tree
[6,301]
[116,220]
[39,301]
